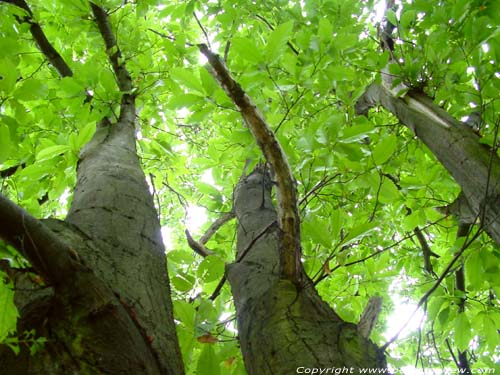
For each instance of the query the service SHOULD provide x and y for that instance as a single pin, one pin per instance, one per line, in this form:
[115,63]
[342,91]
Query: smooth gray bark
[474,166]
[283,326]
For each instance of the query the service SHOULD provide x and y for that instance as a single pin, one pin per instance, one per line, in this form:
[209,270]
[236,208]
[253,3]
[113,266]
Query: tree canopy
[378,210]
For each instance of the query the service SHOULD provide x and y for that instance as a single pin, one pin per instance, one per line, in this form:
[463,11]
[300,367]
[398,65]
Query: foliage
[364,183]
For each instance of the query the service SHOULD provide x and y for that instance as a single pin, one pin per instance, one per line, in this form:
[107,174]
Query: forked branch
[288,214]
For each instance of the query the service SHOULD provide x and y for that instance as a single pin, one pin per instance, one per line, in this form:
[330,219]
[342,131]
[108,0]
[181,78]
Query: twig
[202,29]
[243,253]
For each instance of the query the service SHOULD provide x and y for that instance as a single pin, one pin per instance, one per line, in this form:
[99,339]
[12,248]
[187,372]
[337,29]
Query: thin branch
[114,54]
[288,213]
[41,40]
[216,226]
[202,29]
[197,246]
[243,253]
[169,37]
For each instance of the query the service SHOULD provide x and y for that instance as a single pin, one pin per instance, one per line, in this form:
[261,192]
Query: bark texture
[474,166]
[109,310]
[283,326]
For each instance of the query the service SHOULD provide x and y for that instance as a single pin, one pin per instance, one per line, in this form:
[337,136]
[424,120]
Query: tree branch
[288,214]
[114,54]
[216,226]
[51,258]
[41,40]
[197,246]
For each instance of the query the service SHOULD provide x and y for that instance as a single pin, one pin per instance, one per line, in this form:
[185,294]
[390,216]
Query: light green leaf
[391,16]
[277,41]
[31,89]
[211,268]
[388,191]
[208,363]
[384,150]
[462,332]
[359,232]
[356,133]
[183,282]
[8,75]
[185,100]
[474,270]
[8,311]
[51,151]
[187,78]
[185,312]
[85,134]
[325,30]
[246,49]
[316,230]
[5,143]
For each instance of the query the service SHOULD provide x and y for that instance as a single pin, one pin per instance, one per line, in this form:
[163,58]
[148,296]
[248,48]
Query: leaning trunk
[283,327]
[474,166]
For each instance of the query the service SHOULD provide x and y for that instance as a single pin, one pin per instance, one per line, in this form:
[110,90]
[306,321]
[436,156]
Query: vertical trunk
[112,206]
[283,328]
[113,314]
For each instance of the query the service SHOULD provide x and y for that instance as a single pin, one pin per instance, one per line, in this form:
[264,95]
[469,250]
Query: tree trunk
[474,166]
[282,326]
[112,314]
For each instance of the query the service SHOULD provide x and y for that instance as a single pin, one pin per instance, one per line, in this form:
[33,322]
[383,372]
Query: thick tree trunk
[113,314]
[474,166]
[283,328]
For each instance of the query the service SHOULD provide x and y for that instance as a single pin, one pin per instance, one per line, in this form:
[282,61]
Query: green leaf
[384,149]
[211,268]
[316,230]
[187,78]
[359,232]
[246,49]
[391,16]
[356,133]
[8,311]
[462,332]
[31,89]
[8,75]
[185,100]
[388,191]
[183,282]
[185,312]
[208,363]
[85,134]
[277,41]
[51,151]
[71,87]
[5,143]
[325,30]
[474,270]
